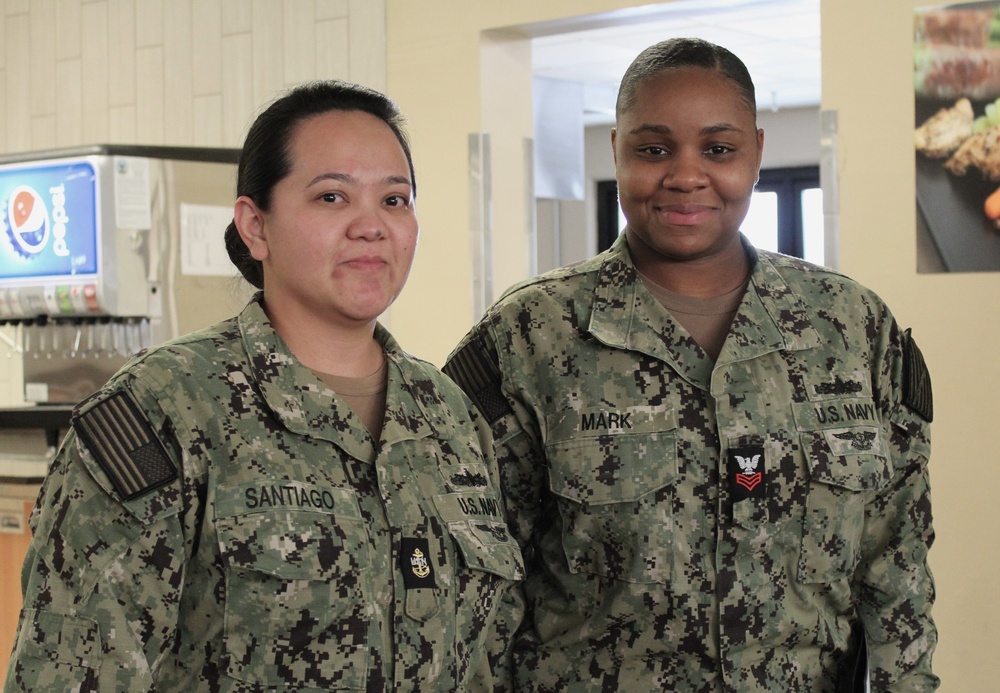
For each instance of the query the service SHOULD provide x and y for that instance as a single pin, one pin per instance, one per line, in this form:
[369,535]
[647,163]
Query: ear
[614,152]
[250,222]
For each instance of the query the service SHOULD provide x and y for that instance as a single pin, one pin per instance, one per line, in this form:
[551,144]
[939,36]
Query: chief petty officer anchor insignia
[417,569]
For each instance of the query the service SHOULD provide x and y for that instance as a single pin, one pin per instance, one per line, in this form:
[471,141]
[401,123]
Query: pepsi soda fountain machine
[105,250]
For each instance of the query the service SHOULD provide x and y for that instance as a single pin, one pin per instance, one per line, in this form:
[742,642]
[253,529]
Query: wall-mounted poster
[956,57]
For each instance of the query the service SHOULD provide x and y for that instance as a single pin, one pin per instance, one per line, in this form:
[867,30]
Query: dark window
[782,196]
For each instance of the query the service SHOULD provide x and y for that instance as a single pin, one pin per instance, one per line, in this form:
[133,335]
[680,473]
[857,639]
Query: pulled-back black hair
[684,52]
[265,158]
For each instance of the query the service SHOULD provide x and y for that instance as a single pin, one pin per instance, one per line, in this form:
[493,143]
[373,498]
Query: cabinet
[16,501]
[20,481]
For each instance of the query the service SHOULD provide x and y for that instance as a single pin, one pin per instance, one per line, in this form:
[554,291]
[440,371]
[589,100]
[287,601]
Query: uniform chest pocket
[845,466]
[295,614]
[615,494]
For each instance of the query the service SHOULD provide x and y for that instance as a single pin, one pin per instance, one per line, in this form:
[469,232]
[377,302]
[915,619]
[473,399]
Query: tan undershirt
[707,320]
[365,395]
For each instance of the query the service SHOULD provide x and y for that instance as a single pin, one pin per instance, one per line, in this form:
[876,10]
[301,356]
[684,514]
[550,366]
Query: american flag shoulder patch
[122,440]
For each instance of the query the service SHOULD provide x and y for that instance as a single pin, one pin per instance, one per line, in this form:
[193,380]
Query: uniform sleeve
[495,671]
[896,589]
[102,577]
[475,366]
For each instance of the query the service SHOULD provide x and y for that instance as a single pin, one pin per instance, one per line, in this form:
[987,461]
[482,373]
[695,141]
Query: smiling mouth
[686,215]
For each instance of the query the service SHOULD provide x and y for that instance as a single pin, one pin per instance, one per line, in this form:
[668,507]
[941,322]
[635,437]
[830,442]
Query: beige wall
[867,78]
[194,71]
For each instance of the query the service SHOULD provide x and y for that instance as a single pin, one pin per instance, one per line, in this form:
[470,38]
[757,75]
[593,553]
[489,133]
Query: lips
[684,214]
[366,262]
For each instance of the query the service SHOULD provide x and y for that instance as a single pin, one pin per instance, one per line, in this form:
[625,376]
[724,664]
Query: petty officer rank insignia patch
[746,473]
[123,442]
[415,563]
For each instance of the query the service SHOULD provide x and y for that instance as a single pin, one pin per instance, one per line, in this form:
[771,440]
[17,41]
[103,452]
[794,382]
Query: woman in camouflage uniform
[715,457]
[286,500]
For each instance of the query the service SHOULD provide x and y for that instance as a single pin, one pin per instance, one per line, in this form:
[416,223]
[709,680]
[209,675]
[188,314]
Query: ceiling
[779,40]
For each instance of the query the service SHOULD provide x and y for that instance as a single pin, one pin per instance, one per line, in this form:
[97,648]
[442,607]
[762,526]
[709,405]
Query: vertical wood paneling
[94,22]
[268,68]
[43,132]
[148,23]
[332,60]
[237,17]
[3,111]
[17,96]
[331,9]
[206,51]
[67,29]
[42,57]
[75,72]
[366,38]
[149,95]
[122,124]
[69,119]
[299,41]
[121,53]
[178,72]
[208,121]
[238,105]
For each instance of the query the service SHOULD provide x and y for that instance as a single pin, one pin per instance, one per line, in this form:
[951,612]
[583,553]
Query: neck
[343,349]
[697,277]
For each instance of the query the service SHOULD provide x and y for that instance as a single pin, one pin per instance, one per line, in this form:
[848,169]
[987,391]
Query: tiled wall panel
[175,72]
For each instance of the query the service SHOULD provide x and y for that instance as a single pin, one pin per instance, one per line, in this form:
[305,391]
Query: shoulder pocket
[486,545]
[842,479]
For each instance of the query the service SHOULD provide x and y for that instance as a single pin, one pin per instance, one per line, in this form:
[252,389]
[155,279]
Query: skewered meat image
[943,133]
[981,151]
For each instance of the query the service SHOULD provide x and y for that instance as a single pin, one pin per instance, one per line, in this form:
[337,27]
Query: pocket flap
[294,544]
[55,637]
[612,469]
[848,458]
[486,545]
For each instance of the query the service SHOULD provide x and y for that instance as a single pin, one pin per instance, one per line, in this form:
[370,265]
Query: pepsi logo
[27,221]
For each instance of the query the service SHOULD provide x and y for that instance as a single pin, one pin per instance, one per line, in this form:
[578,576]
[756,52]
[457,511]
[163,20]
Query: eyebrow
[664,130]
[348,178]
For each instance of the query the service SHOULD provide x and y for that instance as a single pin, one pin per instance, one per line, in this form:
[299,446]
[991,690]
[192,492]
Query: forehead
[690,92]
[354,135]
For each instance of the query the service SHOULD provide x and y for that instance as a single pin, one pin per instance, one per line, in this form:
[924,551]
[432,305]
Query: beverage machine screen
[50,222]
[50,229]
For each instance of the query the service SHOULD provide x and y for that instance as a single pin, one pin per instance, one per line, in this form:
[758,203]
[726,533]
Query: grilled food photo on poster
[956,71]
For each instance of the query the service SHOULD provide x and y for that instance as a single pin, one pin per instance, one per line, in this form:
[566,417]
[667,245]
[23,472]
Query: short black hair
[265,158]
[684,52]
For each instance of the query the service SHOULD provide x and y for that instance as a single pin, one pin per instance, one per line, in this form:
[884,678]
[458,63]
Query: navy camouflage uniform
[217,520]
[697,526]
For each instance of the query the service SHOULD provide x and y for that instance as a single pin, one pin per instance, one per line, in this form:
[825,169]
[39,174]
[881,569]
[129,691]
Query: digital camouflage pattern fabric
[702,527]
[217,520]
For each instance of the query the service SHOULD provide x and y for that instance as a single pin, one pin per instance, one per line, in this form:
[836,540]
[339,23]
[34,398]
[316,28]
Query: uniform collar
[306,406]
[625,315]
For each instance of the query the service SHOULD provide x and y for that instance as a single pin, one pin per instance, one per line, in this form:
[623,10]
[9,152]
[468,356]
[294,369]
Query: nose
[367,223]
[685,172]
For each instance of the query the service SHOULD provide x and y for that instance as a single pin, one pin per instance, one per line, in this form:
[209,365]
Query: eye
[397,201]
[331,197]
[719,150]
[654,150]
